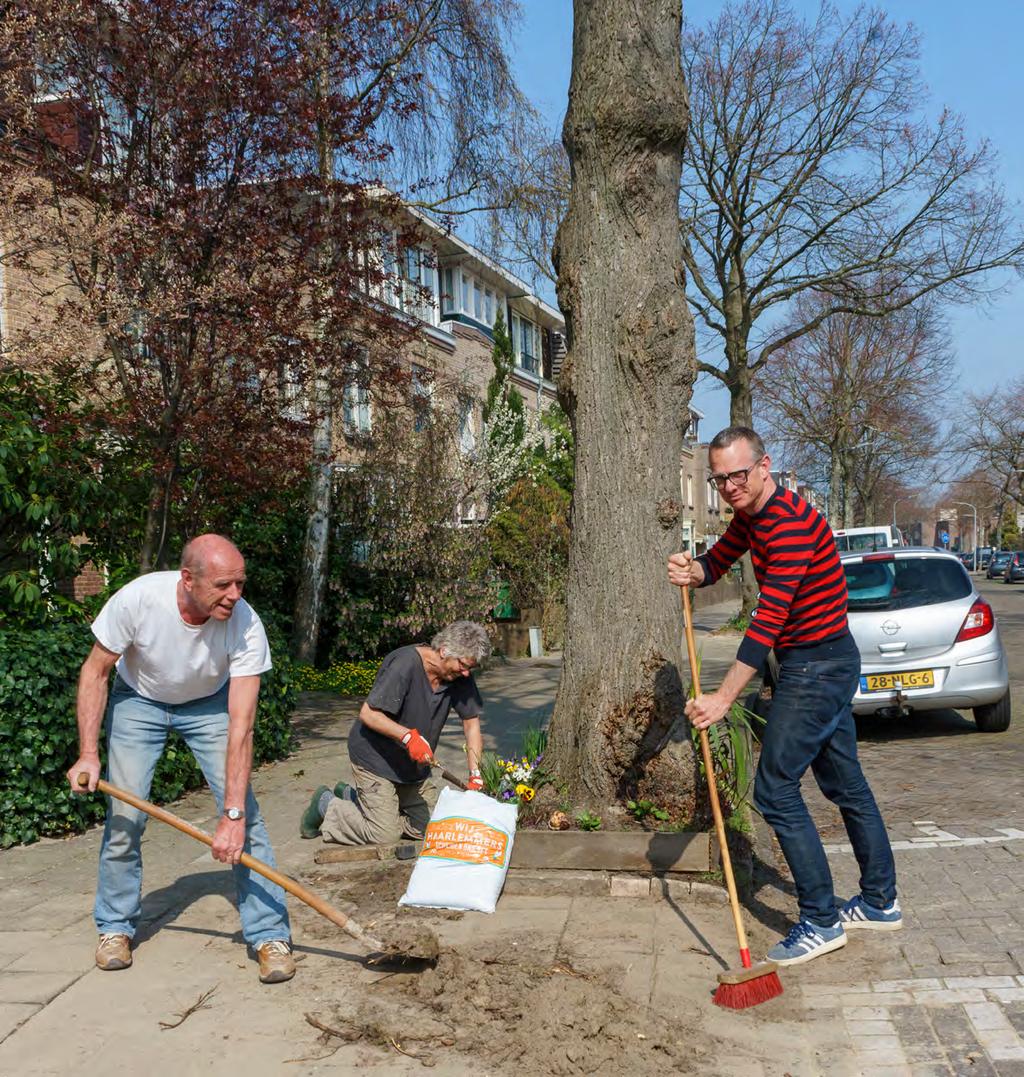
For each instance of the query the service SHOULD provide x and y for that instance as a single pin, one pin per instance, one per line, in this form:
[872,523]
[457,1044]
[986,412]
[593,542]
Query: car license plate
[889,682]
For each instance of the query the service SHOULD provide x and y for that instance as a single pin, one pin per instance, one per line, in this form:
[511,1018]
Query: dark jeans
[811,725]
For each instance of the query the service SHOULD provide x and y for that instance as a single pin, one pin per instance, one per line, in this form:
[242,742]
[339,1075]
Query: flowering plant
[516,779]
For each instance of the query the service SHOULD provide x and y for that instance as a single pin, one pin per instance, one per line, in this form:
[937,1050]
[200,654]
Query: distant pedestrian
[801,613]
[394,738]
[189,652]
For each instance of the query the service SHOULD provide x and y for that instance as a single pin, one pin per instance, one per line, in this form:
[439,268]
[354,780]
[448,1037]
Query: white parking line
[941,839]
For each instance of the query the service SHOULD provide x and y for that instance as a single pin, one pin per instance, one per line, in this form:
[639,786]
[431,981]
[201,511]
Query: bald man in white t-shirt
[189,652]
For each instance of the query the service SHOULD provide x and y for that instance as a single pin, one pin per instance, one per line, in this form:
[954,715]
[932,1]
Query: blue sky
[970,59]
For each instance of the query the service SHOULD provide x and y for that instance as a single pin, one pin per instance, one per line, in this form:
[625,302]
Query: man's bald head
[212,578]
[204,552]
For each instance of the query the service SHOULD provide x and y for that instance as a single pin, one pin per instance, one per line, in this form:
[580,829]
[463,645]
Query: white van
[859,539]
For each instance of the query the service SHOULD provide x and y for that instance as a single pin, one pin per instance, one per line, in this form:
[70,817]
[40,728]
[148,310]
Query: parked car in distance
[984,553]
[1014,569]
[927,639]
[881,537]
[967,560]
[996,564]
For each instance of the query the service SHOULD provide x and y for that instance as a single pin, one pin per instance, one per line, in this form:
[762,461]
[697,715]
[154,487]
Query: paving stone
[952,1027]
[858,1028]
[35,987]
[15,1014]
[949,996]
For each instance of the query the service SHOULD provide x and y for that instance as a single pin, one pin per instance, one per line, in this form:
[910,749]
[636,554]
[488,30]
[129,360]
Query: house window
[489,307]
[417,287]
[355,397]
[467,433]
[526,343]
[467,286]
[421,387]
[689,490]
[448,304]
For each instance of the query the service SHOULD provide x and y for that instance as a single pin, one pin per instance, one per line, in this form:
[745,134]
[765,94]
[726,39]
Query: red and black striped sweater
[803,587]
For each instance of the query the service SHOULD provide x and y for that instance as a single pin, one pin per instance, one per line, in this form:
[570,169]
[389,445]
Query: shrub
[345,678]
[39,736]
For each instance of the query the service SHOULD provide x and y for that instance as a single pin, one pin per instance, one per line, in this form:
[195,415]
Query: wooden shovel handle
[448,776]
[709,770]
[336,916]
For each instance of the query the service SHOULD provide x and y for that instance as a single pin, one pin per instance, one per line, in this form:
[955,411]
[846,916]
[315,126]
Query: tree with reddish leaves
[192,187]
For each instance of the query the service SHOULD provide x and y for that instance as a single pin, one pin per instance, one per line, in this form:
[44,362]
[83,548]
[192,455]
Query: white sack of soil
[465,856]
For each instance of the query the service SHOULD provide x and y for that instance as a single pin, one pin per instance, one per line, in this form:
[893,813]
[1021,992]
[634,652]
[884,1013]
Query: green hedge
[39,736]
[345,678]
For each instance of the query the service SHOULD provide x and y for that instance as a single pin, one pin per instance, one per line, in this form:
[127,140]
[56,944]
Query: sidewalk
[944,996]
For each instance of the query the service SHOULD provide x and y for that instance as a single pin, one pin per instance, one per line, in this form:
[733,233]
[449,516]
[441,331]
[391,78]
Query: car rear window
[905,582]
[874,540]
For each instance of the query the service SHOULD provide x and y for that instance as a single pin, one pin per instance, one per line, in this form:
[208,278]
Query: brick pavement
[944,996]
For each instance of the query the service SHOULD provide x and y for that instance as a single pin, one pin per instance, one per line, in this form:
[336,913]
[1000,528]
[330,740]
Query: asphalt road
[936,764]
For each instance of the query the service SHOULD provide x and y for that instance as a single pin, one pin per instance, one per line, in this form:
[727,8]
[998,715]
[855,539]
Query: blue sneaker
[858,913]
[806,941]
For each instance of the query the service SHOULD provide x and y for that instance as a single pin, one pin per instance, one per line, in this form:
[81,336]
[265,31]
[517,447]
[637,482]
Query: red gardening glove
[418,749]
[476,782]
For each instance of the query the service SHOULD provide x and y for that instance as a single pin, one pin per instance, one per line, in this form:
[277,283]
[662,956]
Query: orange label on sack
[469,840]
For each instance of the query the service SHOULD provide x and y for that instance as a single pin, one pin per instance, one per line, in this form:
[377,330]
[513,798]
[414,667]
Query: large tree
[857,400]
[168,155]
[811,166]
[989,439]
[625,384]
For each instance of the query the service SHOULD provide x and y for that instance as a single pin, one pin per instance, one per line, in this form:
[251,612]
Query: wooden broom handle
[709,770]
[336,916]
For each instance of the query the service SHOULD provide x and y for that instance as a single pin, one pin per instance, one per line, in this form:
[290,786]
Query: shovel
[425,947]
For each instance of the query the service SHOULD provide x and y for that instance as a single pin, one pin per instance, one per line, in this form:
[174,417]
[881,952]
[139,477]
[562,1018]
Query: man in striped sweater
[801,613]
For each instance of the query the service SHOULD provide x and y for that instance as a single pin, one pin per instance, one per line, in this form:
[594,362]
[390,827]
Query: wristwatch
[234,814]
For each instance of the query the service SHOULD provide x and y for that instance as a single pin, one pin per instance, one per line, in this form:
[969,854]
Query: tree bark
[626,385]
[309,597]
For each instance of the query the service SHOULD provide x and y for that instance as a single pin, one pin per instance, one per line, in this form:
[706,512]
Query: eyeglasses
[737,478]
[465,665]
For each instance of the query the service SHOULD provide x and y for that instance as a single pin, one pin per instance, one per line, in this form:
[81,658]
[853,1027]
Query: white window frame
[518,323]
[467,426]
[356,404]
[421,387]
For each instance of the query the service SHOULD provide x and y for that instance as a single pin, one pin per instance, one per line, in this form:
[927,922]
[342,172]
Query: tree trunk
[741,413]
[309,598]
[626,385]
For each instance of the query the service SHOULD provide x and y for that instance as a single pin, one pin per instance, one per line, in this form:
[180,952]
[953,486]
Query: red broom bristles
[748,993]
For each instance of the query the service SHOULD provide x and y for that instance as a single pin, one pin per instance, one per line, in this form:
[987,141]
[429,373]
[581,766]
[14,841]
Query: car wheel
[993,717]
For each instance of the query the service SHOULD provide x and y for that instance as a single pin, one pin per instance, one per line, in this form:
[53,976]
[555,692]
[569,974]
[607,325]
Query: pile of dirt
[498,1009]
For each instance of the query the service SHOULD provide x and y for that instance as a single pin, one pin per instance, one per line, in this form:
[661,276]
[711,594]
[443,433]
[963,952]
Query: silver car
[927,639]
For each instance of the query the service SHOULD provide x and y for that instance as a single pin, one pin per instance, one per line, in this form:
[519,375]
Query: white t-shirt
[166,659]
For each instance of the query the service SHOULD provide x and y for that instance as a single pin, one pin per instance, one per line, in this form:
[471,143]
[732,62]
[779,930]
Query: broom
[752,984]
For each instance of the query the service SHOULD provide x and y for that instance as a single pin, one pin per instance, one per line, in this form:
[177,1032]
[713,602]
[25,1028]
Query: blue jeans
[137,732]
[810,724]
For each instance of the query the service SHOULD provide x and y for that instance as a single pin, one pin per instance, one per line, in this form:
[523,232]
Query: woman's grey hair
[463,639]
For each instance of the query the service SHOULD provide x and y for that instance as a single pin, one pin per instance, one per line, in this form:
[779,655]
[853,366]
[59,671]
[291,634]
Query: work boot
[313,816]
[113,952]
[344,791]
[276,962]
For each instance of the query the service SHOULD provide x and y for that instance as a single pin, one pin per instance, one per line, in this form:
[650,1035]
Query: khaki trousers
[383,812]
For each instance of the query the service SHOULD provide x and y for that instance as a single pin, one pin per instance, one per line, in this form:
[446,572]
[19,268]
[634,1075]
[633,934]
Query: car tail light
[978,622]
[879,557]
